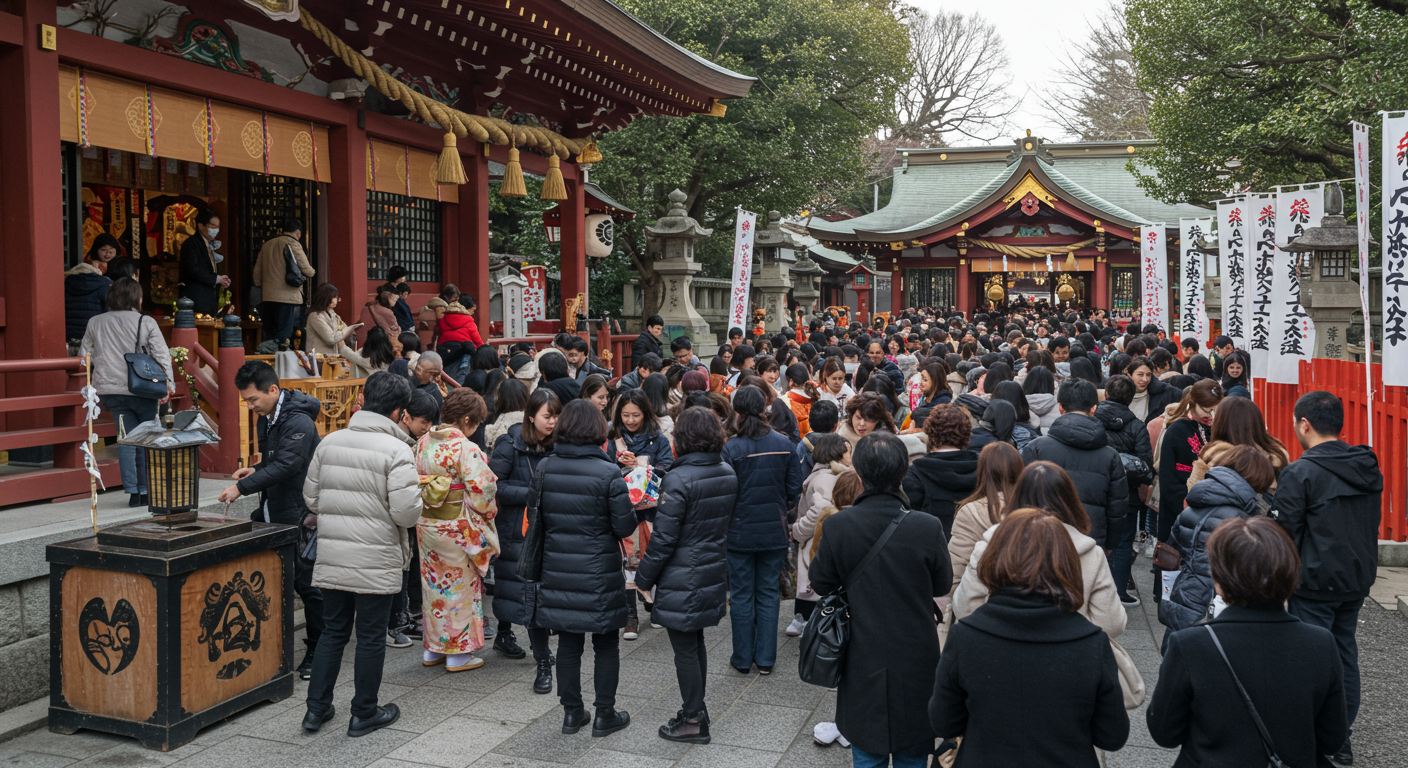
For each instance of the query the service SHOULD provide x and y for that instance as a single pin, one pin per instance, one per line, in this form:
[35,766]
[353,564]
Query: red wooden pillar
[347,215]
[574,243]
[31,188]
[965,287]
[896,289]
[1102,284]
[474,235]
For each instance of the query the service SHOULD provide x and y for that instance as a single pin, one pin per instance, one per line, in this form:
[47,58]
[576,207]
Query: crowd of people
[1022,461]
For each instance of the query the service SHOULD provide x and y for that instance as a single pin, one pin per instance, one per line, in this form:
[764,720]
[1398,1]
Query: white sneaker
[797,627]
[825,734]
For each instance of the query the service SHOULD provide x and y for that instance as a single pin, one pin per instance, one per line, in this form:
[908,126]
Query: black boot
[690,730]
[574,720]
[1345,756]
[609,721]
[507,644]
[305,667]
[543,682]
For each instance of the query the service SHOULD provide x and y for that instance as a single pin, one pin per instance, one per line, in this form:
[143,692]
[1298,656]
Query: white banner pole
[1361,210]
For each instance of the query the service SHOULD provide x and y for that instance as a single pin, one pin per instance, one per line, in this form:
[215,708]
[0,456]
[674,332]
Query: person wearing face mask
[282,288]
[199,281]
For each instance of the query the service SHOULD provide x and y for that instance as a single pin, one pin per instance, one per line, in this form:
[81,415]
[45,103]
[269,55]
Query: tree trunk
[652,286]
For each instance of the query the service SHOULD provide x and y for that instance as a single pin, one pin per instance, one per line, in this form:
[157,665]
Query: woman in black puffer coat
[516,457]
[1228,491]
[1128,434]
[686,562]
[586,511]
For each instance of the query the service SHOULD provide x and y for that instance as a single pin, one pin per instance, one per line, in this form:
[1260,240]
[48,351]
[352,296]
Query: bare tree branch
[961,83]
[1097,95]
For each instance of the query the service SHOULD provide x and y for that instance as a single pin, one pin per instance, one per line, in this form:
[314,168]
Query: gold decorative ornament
[303,149]
[1027,184]
[136,114]
[252,136]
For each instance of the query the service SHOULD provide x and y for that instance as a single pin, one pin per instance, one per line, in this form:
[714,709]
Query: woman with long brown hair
[1029,645]
[326,332]
[1045,486]
[1237,422]
[999,466]
[866,413]
[379,313]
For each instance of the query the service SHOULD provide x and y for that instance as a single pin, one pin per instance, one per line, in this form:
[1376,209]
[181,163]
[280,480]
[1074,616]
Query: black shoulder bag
[293,276]
[530,562]
[823,647]
[145,376]
[1275,760]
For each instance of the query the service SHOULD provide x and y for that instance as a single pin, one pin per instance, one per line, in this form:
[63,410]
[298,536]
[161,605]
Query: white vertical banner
[1292,332]
[1232,264]
[1361,210]
[1154,282]
[1395,249]
[1263,238]
[1192,307]
[742,270]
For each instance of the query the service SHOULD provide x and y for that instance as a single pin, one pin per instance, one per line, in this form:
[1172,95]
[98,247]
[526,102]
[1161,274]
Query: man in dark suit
[199,281]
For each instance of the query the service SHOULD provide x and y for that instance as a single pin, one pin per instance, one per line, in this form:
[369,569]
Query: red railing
[219,398]
[1345,379]
[67,477]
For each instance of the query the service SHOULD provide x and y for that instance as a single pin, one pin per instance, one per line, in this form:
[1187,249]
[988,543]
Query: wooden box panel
[109,644]
[231,629]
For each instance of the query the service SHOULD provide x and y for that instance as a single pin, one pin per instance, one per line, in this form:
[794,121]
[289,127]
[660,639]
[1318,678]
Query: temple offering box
[159,630]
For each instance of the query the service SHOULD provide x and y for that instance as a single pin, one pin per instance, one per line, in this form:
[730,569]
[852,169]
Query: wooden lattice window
[930,288]
[403,230]
[1124,289]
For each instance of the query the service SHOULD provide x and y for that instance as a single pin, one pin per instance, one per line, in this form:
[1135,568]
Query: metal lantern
[1065,292]
[172,445]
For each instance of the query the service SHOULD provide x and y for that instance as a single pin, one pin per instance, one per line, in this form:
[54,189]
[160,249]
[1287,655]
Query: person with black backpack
[1128,434]
[280,273]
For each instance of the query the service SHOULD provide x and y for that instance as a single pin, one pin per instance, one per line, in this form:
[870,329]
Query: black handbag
[1274,760]
[1136,469]
[293,276]
[145,376]
[530,561]
[822,651]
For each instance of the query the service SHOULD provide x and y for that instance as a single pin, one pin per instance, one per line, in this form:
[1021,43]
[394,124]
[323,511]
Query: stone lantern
[804,287]
[1330,295]
[670,246]
[772,281]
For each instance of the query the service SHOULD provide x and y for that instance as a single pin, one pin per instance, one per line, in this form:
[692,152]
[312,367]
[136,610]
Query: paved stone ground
[489,718]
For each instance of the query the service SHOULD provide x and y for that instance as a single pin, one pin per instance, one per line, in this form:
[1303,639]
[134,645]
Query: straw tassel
[1071,263]
[513,177]
[554,188]
[450,169]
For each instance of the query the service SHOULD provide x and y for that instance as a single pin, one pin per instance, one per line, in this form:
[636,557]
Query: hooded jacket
[814,506]
[644,344]
[287,439]
[1077,443]
[586,512]
[1161,395]
[362,485]
[936,481]
[686,561]
[1044,410]
[1329,500]
[85,290]
[1026,683]
[513,463]
[1221,496]
[457,325]
[1102,601]
[1127,433]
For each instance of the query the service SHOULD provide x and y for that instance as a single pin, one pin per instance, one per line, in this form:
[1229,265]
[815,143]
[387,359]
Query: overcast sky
[1036,33]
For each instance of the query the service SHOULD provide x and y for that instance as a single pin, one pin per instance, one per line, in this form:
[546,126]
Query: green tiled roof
[927,195]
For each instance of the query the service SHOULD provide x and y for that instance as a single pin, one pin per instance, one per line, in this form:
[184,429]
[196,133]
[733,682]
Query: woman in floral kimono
[456,533]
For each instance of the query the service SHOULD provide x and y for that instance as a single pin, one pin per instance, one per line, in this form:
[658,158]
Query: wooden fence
[1345,379]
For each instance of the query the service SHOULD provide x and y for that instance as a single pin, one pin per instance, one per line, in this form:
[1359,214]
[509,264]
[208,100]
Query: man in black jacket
[199,281]
[648,343]
[1329,502]
[1127,434]
[288,435]
[1077,443]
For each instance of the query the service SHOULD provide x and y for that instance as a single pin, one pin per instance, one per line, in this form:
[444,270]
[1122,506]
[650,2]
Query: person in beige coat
[1045,486]
[363,489]
[324,332]
[832,456]
[999,466]
[281,300]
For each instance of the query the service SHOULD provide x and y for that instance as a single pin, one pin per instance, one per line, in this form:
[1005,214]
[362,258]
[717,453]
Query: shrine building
[377,123]
[967,227]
